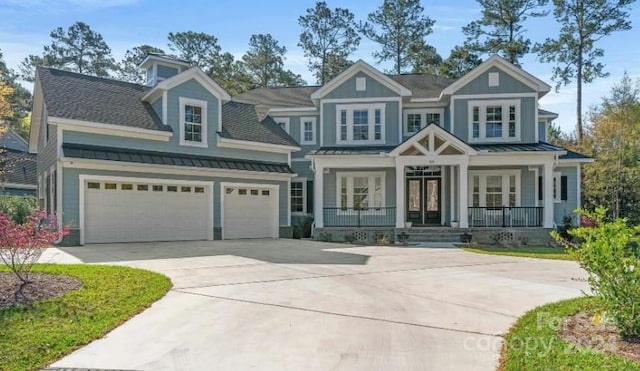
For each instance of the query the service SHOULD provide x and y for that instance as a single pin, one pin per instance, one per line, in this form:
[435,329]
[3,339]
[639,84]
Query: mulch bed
[580,329]
[42,286]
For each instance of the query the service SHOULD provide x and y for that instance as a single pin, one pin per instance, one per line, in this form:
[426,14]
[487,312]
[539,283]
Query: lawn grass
[532,343]
[541,252]
[34,337]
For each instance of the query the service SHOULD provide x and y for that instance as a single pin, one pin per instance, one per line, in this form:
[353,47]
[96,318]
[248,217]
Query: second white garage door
[250,211]
[123,210]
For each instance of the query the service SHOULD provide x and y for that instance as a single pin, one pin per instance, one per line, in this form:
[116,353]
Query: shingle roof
[75,96]
[423,85]
[354,150]
[286,97]
[170,159]
[12,140]
[516,147]
[240,121]
[571,155]
[542,112]
[18,166]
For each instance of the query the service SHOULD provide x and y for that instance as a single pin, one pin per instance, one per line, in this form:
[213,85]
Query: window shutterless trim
[203,120]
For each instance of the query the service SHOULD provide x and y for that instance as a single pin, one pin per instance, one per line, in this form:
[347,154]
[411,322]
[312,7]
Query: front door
[423,201]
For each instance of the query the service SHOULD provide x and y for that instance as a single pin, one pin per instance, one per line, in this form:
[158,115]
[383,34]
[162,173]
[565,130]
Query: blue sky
[124,24]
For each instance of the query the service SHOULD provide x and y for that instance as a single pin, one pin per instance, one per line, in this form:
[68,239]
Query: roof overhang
[193,73]
[360,66]
[149,59]
[109,129]
[496,61]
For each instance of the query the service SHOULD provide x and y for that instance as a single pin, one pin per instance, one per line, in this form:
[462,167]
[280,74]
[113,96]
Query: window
[110,186]
[193,122]
[93,185]
[143,187]
[308,130]
[360,124]
[265,192]
[172,188]
[494,120]
[361,191]
[199,189]
[416,119]
[494,189]
[560,187]
[283,122]
[126,187]
[297,197]
[158,188]
[254,192]
[185,189]
[242,192]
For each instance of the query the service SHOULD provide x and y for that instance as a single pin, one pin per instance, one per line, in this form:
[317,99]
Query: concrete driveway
[300,305]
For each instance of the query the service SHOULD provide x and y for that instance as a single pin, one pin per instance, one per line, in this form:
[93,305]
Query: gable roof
[497,61]
[285,97]
[423,86]
[19,167]
[240,121]
[360,66]
[429,131]
[75,96]
[12,140]
[192,73]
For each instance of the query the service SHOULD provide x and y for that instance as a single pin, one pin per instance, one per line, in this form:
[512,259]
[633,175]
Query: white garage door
[138,211]
[250,212]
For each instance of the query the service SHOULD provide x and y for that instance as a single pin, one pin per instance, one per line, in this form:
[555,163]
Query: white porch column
[318,202]
[452,194]
[548,194]
[463,195]
[400,195]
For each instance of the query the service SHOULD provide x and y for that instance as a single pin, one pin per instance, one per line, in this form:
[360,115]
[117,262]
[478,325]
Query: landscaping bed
[42,286]
[547,338]
[97,299]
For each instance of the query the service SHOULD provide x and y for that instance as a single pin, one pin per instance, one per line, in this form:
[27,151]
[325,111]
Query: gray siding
[347,89]
[528,124]
[295,128]
[508,84]
[71,181]
[303,169]
[165,72]
[157,107]
[542,131]
[571,204]
[391,114]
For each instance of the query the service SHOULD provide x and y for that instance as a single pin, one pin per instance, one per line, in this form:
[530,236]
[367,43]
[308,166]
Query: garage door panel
[250,215]
[132,215]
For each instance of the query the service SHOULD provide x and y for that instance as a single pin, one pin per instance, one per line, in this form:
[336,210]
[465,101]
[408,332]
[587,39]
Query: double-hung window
[360,124]
[360,191]
[494,120]
[308,130]
[494,189]
[417,118]
[193,122]
[298,197]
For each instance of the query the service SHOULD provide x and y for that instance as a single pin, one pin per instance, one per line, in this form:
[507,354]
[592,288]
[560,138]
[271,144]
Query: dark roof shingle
[18,167]
[12,140]
[174,159]
[240,121]
[571,155]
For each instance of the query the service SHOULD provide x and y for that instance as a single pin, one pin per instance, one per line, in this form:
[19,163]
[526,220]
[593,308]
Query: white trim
[512,158]
[482,120]
[318,195]
[314,124]
[371,176]
[109,129]
[578,187]
[495,96]
[575,161]
[497,61]
[360,66]
[83,178]
[273,187]
[255,146]
[285,120]
[291,110]
[322,124]
[557,182]
[425,100]
[536,185]
[165,109]
[537,124]
[75,163]
[551,115]
[482,187]
[304,196]
[300,159]
[423,121]
[370,108]
[19,185]
[362,100]
[192,73]
[204,123]
[161,60]
[430,131]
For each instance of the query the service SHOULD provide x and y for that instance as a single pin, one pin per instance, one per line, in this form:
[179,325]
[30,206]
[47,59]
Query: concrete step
[432,234]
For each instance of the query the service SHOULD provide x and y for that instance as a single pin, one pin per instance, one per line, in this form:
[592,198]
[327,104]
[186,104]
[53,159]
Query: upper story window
[283,122]
[308,130]
[416,119]
[360,124]
[193,122]
[494,120]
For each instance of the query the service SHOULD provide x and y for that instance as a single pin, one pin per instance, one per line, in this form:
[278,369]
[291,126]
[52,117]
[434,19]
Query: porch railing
[358,217]
[505,216]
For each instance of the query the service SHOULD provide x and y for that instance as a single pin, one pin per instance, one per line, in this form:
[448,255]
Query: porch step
[431,234]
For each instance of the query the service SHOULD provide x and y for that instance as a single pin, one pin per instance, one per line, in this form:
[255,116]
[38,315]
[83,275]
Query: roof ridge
[109,79]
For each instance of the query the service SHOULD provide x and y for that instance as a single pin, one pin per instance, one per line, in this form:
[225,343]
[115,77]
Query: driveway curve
[292,305]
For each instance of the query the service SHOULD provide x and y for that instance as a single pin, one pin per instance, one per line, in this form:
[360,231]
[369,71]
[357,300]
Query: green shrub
[302,229]
[382,239]
[18,207]
[566,227]
[325,237]
[609,254]
[350,238]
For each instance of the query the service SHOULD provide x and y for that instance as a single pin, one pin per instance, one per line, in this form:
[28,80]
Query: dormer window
[494,120]
[193,122]
[360,124]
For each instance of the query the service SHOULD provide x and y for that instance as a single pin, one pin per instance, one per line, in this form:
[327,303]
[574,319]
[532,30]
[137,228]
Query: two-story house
[179,159]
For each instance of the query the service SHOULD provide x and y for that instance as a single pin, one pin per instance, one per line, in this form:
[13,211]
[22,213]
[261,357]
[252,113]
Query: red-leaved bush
[21,245]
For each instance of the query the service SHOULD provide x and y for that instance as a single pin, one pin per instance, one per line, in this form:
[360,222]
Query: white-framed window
[494,120]
[360,124]
[557,181]
[299,196]
[416,119]
[283,122]
[193,122]
[360,190]
[307,130]
[494,188]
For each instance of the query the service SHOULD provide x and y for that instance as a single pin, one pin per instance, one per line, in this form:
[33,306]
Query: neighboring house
[179,159]
[17,166]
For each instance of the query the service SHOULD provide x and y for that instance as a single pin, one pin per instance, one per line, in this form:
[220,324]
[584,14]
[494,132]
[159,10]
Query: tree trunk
[323,76]
[579,95]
